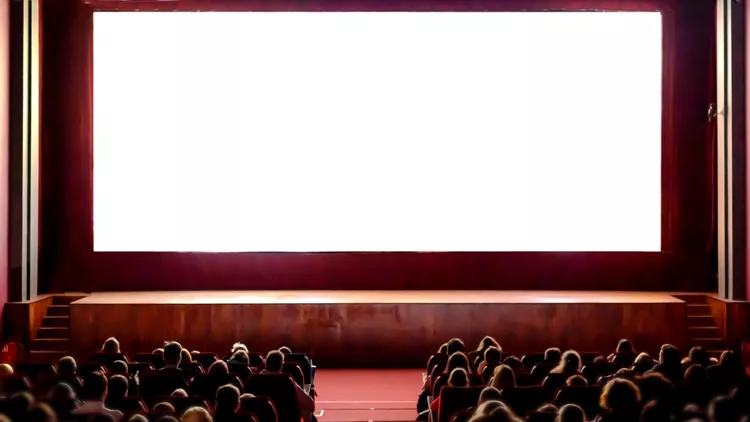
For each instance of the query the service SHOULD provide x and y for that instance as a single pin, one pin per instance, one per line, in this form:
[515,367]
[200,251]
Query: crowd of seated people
[168,385]
[489,384]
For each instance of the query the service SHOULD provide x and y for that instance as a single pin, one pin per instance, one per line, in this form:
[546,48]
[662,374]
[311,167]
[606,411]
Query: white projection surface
[229,132]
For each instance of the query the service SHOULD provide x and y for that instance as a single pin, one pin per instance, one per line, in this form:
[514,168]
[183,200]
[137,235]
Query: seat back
[541,369]
[261,406]
[293,370]
[87,368]
[304,364]
[136,367]
[181,404]
[256,360]
[526,380]
[205,359]
[454,399]
[240,369]
[196,367]
[437,360]
[14,383]
[159,383]
[156,359]
[523,400]
[107,359]
[530,360]
[280,389]
[586,397]
[205,385]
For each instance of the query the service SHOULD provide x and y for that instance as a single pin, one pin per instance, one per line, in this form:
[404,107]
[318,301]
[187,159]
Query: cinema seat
[107,359]
[463,415]
[136,367]
[240,369]
[181,404]
[454,399]
[262,407]
[280,389]
[526,380]
[541,370]
[530,360]
[586,397]
[155,359]
[205,385]
[129,404]
[90,367]
[158,383]
[14,383]
[293,370]
[437,360]
[304,363]
[205,359]
[523,400]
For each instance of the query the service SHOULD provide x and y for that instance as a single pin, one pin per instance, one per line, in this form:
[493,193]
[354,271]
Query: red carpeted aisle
[367,394]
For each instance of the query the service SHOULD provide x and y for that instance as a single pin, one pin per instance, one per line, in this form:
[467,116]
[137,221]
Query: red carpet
[367,395]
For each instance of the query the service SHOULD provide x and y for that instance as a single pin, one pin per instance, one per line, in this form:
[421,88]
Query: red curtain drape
[68,261]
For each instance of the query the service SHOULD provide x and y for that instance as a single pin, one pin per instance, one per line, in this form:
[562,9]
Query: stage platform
[388,328]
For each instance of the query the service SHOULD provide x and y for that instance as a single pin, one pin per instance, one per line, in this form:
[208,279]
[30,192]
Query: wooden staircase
[701,326]
[53,337]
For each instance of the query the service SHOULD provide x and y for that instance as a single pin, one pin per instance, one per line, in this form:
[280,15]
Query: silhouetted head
[455,345]
[489,393]
[503,377]
[196,414]
[492,355]
[624,346]
[218,368]
[576,381]
[458,378]
[67,366]
[552,354]
[117,388]
[571,413]
[119,367]
[620,396]
[486,343]
[227,399]
[172,353]
[111,346]
[457,360]
[274,361]
[94,387]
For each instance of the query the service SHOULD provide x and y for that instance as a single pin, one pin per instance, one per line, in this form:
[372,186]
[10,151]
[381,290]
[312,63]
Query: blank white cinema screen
[228,132]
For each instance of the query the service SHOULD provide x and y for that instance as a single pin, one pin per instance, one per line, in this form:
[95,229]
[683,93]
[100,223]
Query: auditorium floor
[367,395]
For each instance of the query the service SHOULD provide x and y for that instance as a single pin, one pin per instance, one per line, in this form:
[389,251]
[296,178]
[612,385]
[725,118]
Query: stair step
[698,309]
[52,332]
[66,299]
[56,321]
[700,320]
[51,356]
[50,344]
[707,343]
[58,310]
[692,299]
[703,332]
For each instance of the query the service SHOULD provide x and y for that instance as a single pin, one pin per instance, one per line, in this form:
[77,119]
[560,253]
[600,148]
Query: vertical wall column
[25,56]
[731,151]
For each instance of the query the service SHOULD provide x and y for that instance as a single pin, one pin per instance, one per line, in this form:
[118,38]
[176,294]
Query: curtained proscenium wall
[67,259]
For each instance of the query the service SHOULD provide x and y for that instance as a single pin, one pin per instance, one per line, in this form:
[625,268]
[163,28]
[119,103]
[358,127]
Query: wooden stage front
[388,328]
